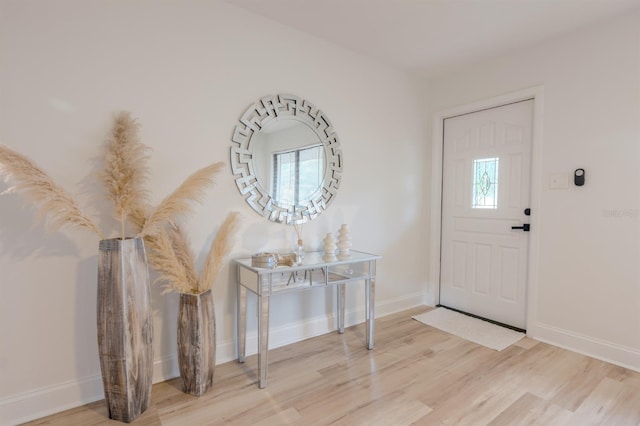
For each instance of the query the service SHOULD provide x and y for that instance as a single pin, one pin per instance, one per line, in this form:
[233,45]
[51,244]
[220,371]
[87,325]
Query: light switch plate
[559,181]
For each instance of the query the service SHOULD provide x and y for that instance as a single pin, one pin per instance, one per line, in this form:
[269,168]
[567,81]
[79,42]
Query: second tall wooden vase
[125,327]
[196,342]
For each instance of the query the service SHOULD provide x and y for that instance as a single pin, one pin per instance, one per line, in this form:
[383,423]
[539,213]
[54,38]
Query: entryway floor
[415,375]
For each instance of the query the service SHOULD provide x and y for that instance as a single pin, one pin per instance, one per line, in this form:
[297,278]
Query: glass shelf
[311,278]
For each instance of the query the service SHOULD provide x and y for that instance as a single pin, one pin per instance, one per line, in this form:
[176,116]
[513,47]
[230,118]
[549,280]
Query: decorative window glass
[298,174]
[485,184]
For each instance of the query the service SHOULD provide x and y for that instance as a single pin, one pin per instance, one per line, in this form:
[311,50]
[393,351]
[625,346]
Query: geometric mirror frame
[261,188]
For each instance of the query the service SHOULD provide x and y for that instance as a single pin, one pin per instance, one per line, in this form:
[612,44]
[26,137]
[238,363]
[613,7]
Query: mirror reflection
[289,161]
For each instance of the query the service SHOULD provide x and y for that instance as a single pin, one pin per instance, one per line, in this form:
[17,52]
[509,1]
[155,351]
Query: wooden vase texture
[125,327]
[196,342]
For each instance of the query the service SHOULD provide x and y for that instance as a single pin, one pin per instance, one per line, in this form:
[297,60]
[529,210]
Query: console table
[312,272]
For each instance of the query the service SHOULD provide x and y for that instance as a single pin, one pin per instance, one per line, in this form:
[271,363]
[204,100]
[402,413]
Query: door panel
[486,181]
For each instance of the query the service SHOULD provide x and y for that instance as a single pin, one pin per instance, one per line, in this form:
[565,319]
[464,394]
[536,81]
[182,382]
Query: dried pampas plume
[164,259]
[170,255]
[184,254]
[125,176]
[38,187]
[220,248]
[179,202]
[126,172]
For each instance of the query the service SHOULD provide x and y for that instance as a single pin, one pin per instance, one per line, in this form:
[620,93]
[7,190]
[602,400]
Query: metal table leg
[370,293]
[242,322]
[263,334]
[341,294]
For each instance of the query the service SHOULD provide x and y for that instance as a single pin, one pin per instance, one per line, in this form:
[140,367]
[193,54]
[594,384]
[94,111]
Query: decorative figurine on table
[344,243]
[329,249]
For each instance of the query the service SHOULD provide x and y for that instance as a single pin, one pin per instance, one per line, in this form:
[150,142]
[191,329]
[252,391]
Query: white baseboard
[429,299]
[596,348]
[47,400]
[41,402]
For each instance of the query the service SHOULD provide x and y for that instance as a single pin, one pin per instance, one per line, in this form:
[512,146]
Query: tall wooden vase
[196,342]
[125,327]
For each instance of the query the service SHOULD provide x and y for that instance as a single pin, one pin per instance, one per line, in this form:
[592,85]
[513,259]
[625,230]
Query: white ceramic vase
[344,242]
[329,249]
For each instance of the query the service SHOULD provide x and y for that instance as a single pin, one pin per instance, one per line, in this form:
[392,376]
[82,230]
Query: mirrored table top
[310,260]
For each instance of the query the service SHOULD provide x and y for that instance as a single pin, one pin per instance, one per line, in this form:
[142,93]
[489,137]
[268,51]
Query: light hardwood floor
[415,375]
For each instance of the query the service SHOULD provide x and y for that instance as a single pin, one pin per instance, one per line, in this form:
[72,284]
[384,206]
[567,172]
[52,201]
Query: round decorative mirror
[286,158]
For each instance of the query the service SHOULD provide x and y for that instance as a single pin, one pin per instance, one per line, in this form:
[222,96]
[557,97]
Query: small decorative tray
[271,260]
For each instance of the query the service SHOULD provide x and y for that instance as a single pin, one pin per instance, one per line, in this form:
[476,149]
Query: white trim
[613,353]
[47,400]
[44,401]
[535,93]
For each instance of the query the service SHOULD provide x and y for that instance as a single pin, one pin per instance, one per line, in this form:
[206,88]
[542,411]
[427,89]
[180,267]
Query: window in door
[485,183]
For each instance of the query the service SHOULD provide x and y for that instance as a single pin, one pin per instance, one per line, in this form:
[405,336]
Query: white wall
[187,70]
[587,295]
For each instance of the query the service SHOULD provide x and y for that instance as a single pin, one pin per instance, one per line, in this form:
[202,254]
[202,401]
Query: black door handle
[525,227]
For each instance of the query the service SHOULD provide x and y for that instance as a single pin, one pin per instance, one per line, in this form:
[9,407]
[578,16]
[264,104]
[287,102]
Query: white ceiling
[430,37]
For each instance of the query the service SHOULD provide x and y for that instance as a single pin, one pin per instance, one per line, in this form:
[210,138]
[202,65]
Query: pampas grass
[184,254]
[170,253]
[125,176]
[220,248]
[171,256]
[164,259]
[38,187]
[180,201]
[126,171]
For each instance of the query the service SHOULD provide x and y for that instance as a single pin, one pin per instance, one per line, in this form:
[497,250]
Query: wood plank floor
[415,375]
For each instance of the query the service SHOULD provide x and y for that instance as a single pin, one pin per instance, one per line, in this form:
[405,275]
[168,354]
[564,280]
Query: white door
[486,181]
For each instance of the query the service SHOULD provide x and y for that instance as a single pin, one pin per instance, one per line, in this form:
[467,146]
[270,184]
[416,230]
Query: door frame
[536,93]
